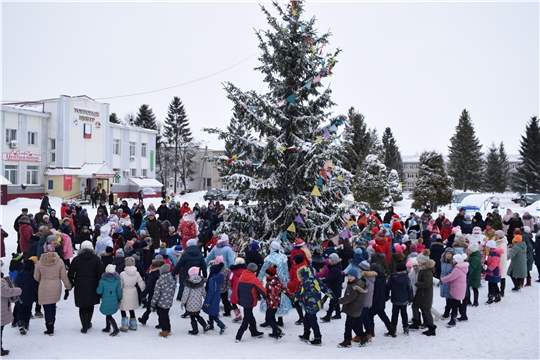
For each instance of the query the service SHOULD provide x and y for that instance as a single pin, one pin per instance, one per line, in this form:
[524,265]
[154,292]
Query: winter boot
[38,314]
[406,330]
[280,321]
[84,322]
[125,325]
[344,344]
[5,352]
[164,334]
[299,321]
[521,282]
[238,316]
[338,313]
[194,327]
[316,342]
[304,337]
[391,330]
[132,324]
[264,324]
[356,339]
[446,314]
[89,319]
[451,323]
[114,327]
[436,315]
[107,327]
[143,319]
[255,333]
[497,298]
[50,329]
[430,331]
[22,330]
[184,315]
[490,299]
[326,318]
[363,340]
[528,281]
[222,328]
[415,325]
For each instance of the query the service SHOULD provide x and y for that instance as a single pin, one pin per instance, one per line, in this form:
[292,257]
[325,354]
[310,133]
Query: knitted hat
[120,253]
[358,255]
[219,259]
[216,268]
[178,250]
[456,229]
[459,258]
[29,265]
[491,244]
[399,248]
[171,229]
[224,238]
[164,269]
[253,267]
[191,242]
[110,269]
[274,246]
[158,256]
[254,245]
[412,235]
[51,238]
[298,258]
[298,242]
[500,233]
[194,270]
[271,270]
[400,267]
[364,265]
[87,245]
[151,213]
[353,272]
[16,257]
[130,261]
[526,229]
[143,243]
[517,238]
[333,257]
[108,249]
[473,247]
[239,261]
[413,248]
[378,249]
[423,257]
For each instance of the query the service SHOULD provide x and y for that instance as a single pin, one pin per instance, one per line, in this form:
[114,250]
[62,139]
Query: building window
[53,157]
[132,172]
[224,187]
[131,149]
[115,179]
[10,173]
[144,172]
[208,181]
[411,166]
[143,150]
[116,146]
[32,175]
[50,185]
[32,138]
[53,144]
[11,134]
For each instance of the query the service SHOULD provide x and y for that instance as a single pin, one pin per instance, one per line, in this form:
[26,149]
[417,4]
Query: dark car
[213,195]
[184,192]
[526,199]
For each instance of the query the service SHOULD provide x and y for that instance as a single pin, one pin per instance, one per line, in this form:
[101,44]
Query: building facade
[66,146]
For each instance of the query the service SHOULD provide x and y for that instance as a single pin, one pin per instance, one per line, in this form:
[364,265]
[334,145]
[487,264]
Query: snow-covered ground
[508,329]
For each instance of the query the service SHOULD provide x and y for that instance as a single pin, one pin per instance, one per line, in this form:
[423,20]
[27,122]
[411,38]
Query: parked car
[233,195]
[526,199]
[213,194]
[187,191]
[225,193]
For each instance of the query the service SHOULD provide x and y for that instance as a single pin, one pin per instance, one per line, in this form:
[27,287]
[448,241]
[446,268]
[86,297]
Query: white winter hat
[87,245]
[527,229]
[473,247]
[110,269]
[491,244]
[459,258]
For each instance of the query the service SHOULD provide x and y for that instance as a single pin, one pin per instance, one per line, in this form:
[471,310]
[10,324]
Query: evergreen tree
[113,118]
[292,146]
[394,187]
[392,155]
[360,141]
[146,118]
[504,170]
[497,168]
[526,179]
[371,183]
[465,158]
[181,151]
[434,187]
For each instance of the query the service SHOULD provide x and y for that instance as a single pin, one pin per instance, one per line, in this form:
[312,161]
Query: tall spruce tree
[294,156]
[504,169]
[526,179]
[356,140]
[371,183]
[394,187]
[181,151]
[433,188]
[465,158]
[113,118]
[497,168]
[145,118]
[392,155]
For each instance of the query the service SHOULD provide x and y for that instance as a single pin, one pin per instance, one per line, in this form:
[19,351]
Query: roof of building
[148,183]
[87,170]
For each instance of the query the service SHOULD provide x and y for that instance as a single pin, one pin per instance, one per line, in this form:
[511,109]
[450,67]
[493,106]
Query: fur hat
[120,253]
[239,261]
[491,244]
[130,261]
[460,239]
[353,272]
[401,267]
[164,269]
[459,258]
[274,246]
[500,233]
[254,245]
[194,270]
[253,267]
[399,248]
[191,242]
[298,242]
[364,265]
[110,269]
[473,247]
[87,245]
[423,257]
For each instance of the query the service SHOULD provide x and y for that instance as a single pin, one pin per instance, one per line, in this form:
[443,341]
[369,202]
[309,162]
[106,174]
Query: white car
[233,195]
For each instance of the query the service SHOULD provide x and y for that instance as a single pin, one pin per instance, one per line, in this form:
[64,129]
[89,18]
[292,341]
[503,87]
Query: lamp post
[202,179]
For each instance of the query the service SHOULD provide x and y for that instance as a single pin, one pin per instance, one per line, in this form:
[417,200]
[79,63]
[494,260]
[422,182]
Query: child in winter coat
[211,302]
[192,300]
[174,237]
[334,282]
[493,271]
[397,257]
[352,306]
[380,258]
[458,287]
[317,259]
[29,286]
[107,256]
[153,276]
[8,292]
[274,288]
[379,300]
[249,290]
[444,289]
[236,271]
[400,292]
[309,297]
[475,271]
[423,298]
[162,299]
[225,287]
[110,289]
[299,262]
[15,265]
[130,296]
[368,277]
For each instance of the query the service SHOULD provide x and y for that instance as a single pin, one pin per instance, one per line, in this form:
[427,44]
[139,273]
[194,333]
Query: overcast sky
[409,66]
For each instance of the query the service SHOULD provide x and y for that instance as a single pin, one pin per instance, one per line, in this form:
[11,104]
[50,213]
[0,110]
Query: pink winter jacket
[458,280]
[67,246]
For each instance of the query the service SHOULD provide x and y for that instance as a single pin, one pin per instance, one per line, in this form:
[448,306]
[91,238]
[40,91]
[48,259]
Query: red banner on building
[68,182]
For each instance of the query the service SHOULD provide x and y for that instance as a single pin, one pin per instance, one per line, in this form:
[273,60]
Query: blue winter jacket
[211,302]
[110,290]
[399,289]
[29,286]
[444,288]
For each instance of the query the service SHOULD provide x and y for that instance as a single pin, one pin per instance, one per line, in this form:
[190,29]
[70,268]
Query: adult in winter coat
[148,293]
[6,314]
[527,220]
[300,248]
[346,253]
[29,286]
[192,257]
[435,252]
[475,271]
[110,289]
[458,287]
[25,232]
[423,299]
[334,282]
[213,296]
[254,256]
[55,222]
[513,224]
[154,229]
[162,298]
[236,272]
[518,266]
[389,214]
[526,236]
[173,214]
[385,242]
[444,288]
[162,211]
[537,254]
[50,272]
[100,218]
[222,248]
[446,229]
[352,302]
[506,220]
[84,274]
[369,277]
[130,278]
[502,243]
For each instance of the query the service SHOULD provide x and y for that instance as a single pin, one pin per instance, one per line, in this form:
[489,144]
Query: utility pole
[203,165]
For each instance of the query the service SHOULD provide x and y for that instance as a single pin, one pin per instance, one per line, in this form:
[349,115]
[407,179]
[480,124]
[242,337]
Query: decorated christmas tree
[290,159]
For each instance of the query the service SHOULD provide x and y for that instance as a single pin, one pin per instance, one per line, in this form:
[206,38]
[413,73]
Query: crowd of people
[142,257]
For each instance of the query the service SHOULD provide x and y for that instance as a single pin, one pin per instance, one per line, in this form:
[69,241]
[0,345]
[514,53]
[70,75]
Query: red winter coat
[294,278]
[63,211]
[249,289]
[184,209]
[445,232]
[236,272]
[385,243]
[26,231]
[396,226]
[274,288]
[188,229]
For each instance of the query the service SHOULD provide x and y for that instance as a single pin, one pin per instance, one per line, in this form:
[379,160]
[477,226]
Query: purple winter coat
[458,280]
